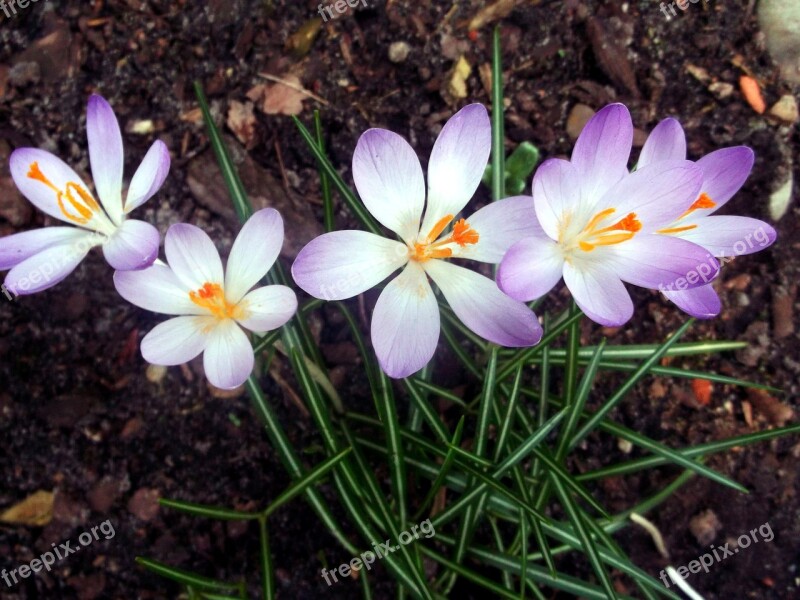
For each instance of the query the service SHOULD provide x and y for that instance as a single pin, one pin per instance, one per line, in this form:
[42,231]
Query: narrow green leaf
[446,464]
[268,576]
[325,185]
[184,577]
[211,512]
[498,120]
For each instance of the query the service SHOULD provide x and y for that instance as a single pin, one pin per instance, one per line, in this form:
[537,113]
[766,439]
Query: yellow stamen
[619,232]
[85,208]
[462,235]
[212,298]
[671,230]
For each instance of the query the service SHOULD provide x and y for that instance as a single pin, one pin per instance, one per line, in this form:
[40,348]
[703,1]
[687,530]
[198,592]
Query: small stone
[786,110]
[783,315]
[721,89]
[705,527]
[577,119]
[144,504]
[155,373]
[398,52]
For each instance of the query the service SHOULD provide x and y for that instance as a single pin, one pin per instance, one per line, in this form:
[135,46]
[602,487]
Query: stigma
[212,297]
[430,246]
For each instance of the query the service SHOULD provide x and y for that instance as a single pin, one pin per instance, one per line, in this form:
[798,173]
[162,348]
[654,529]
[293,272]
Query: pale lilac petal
[457,163]
[228,359]
[724,172]
[133,246]
[192,256]
[730,235]
[482,307]
[105,155]
[156,289]
[55,171]
[343,264]
[666,142]
[177,341]
[599,293]
[556,196]
[149,177]
[405,323]
[702,302]
[389,180]
[661,262]
[21,246]
[45,269]
[602,150]
[254,252]
[268,308]
[657,194]
[531,268]
[499,226]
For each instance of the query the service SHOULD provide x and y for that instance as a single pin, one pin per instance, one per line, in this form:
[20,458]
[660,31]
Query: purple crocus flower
[41,258]
[388,175]
[214,304]
[723,236]
[597,224]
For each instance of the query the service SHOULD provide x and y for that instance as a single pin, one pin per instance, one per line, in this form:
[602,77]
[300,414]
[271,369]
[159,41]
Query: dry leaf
[702,390]
[242,122]
[36,510]
[282,99]
[752,93]
[458,79]
[494,12]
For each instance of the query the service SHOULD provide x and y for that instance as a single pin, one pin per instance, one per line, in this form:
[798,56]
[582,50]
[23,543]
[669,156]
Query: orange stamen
[670,230]
[437,229]
[212,298]
[85,208]
[619,232]
[463,234]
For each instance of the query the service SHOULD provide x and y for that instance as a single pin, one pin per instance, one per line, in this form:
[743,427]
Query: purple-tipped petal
[730,235]
[343,264]
[602,150]
[457,163]
[105,155]
[724,173]
[133,246]
[701,303]
[599,293]
[156,289]
[268,308]
[21,246]
[149,177]
[405,323]
[661,262]
[192,256]
[177,341]
[45,269]
[228,359]
[666,142]
[499,226]
[531,268]
[389,180]
[254,252]
[557,196]
[482,307]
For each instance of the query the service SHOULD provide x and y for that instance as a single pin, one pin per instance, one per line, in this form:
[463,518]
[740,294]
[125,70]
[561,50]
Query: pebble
[577,119]
[786,110]
[721,89]
[398,52]
[705,526]
[144,504]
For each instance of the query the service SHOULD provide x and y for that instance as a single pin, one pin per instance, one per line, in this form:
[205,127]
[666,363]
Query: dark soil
[80,413]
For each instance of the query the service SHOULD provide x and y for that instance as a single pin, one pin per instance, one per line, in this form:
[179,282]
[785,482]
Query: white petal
[105,155]
[666,142]
[133,246]
[500,225]
[531,268]
[177,341]
[21,246]
[405,323]
[600,294]
[47,268]
[156,289]
[149,177]
[268,308]
[192,256]
[557,197]
[254,251]
[729,235]
[228,359]
[343,264]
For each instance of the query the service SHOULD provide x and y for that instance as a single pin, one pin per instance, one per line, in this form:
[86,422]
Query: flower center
[430,247]
[704,201]
[621,231]
[74,202]
[212,298]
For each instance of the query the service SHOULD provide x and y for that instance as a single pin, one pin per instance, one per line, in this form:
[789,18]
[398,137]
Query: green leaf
[498,172]
[522,162]
[185,577]
[210,512]
[268,576]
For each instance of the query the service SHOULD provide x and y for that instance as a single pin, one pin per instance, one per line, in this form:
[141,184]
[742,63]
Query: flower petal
[666,142]
[57,173]
[177,341]
[557,196]
[661,262]
[499,226]
[599,293]
[701,302]
[457,163]
[149,177]
[254,251]
[343,264]
[602,150]
[156,289]
[724,172]
[133,246]
[389,180]
[21,246]
[46,268]
[405,323]
[105,155]
[730,235]
[228,359]
[268,308]
[192,256]
[530,269]
[482,307]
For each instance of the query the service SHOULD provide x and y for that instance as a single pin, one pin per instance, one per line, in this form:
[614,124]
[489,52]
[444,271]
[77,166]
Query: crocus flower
[597,224]
[724,173]
[214,304]
[41,258]
[388,176]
